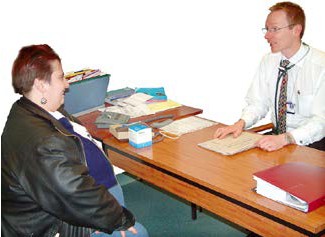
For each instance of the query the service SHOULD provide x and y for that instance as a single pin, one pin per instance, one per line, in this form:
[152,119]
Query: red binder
[301,180]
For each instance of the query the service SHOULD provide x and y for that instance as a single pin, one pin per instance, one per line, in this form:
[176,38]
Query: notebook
[296,184]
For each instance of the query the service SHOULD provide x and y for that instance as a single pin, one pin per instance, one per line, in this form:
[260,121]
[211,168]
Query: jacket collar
[41,113]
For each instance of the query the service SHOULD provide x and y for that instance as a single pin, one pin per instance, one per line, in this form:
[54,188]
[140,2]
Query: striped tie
[282,103]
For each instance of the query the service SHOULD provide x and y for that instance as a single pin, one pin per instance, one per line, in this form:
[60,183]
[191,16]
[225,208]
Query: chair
[262,128]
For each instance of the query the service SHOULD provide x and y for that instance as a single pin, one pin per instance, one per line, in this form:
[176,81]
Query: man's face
[281,40]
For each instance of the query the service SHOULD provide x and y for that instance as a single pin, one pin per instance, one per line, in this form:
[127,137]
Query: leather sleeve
[56,178]
[128,220]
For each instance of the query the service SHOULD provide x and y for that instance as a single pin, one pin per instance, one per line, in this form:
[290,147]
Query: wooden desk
[100,134]
[221,184]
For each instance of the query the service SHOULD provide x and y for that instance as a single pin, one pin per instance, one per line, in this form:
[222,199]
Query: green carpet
[166,215]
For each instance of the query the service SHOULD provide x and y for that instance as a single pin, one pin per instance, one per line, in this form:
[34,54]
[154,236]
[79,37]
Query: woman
[46,186]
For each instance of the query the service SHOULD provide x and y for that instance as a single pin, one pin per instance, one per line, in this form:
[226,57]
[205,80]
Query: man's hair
[295,14]
[32,62]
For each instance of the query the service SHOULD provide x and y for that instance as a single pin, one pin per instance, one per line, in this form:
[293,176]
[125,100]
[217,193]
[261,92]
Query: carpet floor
[164,214]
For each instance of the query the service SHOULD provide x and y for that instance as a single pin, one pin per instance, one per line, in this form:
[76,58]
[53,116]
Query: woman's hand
[131,229]
[123,234]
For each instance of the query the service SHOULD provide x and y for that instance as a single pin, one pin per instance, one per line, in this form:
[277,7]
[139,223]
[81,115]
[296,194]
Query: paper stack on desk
[133,106]
[231,145]
[82,74]
[298,185]
[162,106]
[187,125]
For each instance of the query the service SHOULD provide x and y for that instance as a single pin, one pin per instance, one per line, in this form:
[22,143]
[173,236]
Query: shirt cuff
[300,137]
[248,121]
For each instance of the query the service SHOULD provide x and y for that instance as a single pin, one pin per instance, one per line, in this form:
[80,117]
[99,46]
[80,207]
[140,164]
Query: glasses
[275,29]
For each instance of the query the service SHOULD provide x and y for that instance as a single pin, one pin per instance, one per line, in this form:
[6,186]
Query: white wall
[204,52]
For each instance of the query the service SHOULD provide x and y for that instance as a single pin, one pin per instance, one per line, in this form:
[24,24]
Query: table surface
[88,119]
[221,184]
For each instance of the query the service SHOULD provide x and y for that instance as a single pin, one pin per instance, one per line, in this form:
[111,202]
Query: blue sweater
[99,166]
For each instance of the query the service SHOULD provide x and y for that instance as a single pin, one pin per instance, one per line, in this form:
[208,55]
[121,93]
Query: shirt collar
[299,57]
[56,114]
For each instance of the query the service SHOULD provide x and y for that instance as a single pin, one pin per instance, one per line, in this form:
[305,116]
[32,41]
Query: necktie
[282,103]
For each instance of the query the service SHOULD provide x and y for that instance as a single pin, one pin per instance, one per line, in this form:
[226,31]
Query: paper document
[186,125]
[162,106]
[231,145]
[133,106]
[132,111]
[137,99]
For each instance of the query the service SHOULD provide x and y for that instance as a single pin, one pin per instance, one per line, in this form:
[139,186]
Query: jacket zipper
[83,152]
[79,141]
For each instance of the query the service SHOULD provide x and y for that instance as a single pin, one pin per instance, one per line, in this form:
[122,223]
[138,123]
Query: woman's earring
[43,101]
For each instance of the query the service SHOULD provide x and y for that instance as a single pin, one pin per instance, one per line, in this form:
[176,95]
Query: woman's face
[55,89]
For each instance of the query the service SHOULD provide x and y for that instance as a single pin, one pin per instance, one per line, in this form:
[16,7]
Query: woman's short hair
[32,62]
[295,14]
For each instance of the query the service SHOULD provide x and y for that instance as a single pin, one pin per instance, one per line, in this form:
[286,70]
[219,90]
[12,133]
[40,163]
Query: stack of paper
[133,106]
[231,145]
[186,125]
[82,74]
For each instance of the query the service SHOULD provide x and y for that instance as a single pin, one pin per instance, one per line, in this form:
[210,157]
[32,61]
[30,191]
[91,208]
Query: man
[290,82]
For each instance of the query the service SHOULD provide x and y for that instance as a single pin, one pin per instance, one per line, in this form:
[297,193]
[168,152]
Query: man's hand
[275,142]
[236,129]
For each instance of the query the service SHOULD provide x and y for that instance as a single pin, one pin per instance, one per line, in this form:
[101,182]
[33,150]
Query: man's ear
[297,29]
[40,85]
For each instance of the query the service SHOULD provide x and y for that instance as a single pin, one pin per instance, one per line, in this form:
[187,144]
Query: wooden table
[100,134]
[221,184]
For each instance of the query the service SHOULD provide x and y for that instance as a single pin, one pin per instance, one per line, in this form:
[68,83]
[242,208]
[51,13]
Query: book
[118,94]
[230,145]
[296,184]
[106,119]
[120,131]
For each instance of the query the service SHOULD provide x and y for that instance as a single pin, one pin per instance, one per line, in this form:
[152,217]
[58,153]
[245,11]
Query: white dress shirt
[305,94]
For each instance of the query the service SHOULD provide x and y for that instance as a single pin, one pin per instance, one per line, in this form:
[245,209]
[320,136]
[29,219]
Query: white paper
[186,125]
[230,145]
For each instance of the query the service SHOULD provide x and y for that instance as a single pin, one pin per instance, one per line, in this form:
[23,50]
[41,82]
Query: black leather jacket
[45,185]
